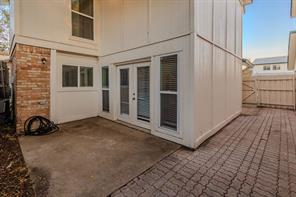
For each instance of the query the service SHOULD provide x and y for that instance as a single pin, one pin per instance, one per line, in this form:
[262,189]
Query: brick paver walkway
[252,156]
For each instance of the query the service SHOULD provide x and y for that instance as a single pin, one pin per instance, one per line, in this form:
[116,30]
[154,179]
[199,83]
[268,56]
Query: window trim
[80,76]
[62,72]
[77,38]
[78,87]
[276,67]
[165,130]
[266,66]
[104,88]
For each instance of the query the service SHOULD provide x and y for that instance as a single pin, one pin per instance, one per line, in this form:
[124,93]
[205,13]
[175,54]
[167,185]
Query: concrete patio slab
[91,157]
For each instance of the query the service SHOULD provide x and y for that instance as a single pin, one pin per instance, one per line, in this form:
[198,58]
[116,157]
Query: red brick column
[32,82]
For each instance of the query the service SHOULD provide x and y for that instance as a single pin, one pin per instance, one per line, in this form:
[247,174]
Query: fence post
[256,90]
[294,96]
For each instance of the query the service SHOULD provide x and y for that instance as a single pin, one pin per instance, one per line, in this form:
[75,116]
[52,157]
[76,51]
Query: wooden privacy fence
[269,91]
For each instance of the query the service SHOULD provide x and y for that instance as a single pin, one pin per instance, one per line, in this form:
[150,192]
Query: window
[105,88]
[168,92]
[70,76]
[266,67]
[105,77]
[83,19]
[143,93]
[86,77]
[276,67]
[124,91]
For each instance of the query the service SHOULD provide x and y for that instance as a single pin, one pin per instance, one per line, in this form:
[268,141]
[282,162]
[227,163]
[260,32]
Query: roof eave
[271,63]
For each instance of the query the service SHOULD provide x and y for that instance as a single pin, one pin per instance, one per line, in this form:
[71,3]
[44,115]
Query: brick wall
[32,83]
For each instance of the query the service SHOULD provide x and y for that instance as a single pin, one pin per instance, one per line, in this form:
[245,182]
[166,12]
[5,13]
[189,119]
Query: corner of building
[32,82]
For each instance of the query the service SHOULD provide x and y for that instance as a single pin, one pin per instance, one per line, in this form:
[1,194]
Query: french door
[134,94]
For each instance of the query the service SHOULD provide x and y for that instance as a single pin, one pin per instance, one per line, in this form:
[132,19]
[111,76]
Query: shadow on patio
[92,157]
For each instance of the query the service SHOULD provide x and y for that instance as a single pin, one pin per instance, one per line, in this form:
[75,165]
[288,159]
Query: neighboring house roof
[271,60]
[292,51]
[293,8]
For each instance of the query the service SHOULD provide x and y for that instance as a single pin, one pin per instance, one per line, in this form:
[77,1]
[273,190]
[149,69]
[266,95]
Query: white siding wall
[74,103]
[127,24]
[181,46]
[209,45]
[48,24]
[124,24]
[218,51]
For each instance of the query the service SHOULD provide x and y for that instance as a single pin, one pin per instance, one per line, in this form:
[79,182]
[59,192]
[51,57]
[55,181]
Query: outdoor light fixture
[43,60]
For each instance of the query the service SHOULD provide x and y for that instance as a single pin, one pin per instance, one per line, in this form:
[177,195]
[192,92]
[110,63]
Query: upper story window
[266,67]
[83,18]
[276,67]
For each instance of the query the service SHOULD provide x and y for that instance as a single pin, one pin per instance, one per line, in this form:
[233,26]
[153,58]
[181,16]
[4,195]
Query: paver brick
[252,156]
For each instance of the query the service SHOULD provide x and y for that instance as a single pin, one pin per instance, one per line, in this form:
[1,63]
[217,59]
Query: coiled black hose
[38,125]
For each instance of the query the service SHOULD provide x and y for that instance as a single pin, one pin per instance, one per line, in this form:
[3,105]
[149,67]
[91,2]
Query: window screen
[82,19]
[168,92]
[86,76]
[70,76]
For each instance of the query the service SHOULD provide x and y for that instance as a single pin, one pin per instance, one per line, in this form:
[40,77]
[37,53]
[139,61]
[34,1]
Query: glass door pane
[124,91]
[143,93]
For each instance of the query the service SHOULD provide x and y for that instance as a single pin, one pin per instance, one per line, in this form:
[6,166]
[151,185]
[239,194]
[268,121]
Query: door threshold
[134,126]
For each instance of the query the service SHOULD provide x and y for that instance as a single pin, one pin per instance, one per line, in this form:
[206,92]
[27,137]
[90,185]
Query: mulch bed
[14,176]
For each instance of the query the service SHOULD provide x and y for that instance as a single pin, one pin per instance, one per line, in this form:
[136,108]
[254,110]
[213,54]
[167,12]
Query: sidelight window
[105,89]
[168,91]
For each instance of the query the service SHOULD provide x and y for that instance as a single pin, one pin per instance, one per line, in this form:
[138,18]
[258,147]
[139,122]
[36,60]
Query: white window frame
[165,130]
[277,67]
[266,66]
[78,78]
[77,38]
[104,88]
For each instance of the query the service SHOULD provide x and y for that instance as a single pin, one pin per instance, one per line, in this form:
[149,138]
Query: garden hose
[38,125]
